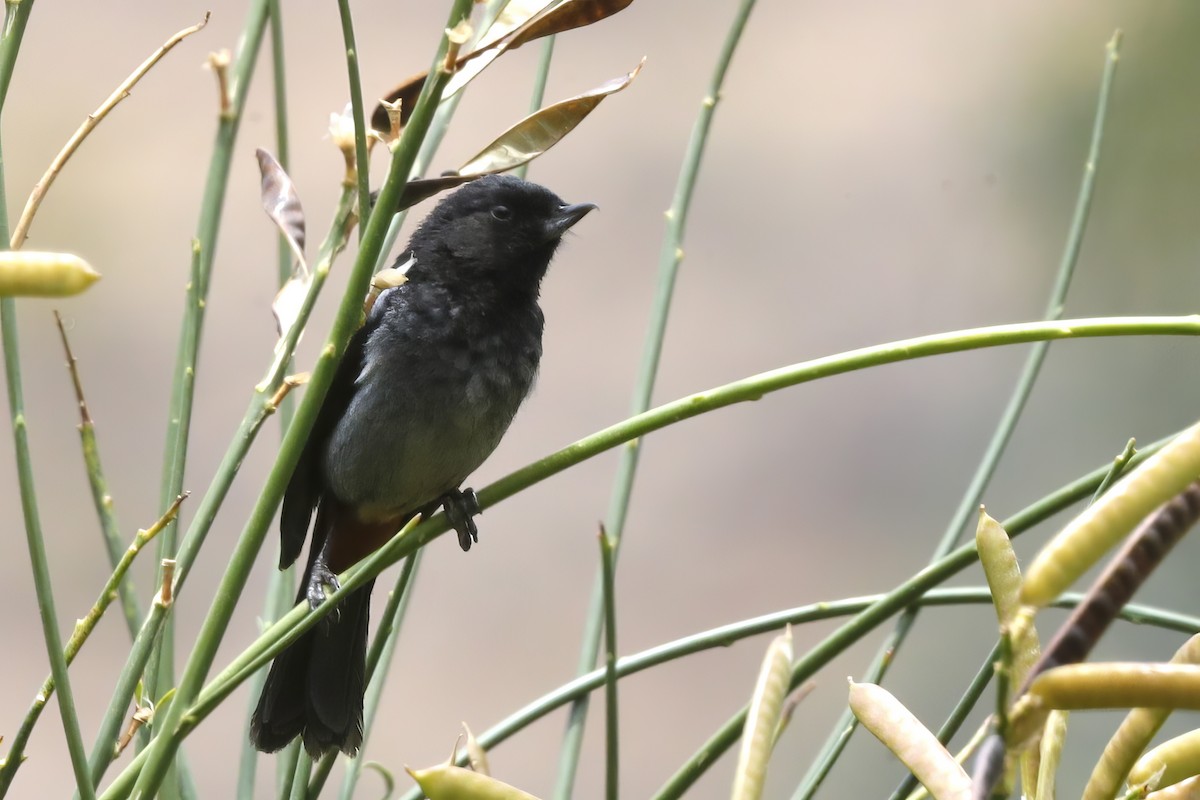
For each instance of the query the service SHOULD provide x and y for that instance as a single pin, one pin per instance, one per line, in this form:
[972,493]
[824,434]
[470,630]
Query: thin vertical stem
[234,580]
[611,726]
[356,109]
[540,76]
[668,268]
[847,724]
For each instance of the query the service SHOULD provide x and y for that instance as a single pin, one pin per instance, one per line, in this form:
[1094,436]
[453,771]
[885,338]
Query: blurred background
[876,171]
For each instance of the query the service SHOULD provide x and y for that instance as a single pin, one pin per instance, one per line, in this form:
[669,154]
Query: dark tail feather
[315,687]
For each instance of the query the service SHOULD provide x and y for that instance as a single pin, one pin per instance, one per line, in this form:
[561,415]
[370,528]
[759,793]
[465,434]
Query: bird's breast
[429,408]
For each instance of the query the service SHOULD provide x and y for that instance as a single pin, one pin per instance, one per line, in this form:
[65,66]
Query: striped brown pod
[1131,738]
[1142,553]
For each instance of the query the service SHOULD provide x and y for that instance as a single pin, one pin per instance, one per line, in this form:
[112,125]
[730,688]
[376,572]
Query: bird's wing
[307,483]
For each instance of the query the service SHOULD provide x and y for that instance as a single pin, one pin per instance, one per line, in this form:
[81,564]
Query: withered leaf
[282,203]
[521,143]
[541,20]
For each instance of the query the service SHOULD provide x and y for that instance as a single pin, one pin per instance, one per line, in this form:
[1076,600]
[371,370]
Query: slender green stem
[967,702]
[300,781]
[379,660]
[958,715]
[356,109]
[611,726]
[433,139]
[874,615]
[250,541]
[14,29]
[162,671]
[886,655]
[104,748]
[668,267]
[286,769]
[540,76]
[37,546]
[1118,466]
[99,485]
[726,635]
[279,585]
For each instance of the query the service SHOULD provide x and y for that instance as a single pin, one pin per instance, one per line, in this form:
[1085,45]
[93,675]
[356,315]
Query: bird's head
[496,228]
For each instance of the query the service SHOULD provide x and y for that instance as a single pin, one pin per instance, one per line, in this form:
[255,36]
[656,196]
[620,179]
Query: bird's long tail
[315,687]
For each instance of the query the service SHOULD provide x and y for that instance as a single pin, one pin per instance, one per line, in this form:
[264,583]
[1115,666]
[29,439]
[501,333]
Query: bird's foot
[461,507]
[322,580]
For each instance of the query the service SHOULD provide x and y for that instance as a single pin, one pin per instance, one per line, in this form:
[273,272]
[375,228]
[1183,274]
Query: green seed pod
[1131,738]
[1117,685]
[448,782]
[762,721]
[1094,532]
[911,742]
[30,274]
[1171,762]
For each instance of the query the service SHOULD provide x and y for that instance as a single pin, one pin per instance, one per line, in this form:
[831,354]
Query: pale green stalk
[361,163]
[15,19]
[540,75]
[162,671]
[611,725]
[886,655]
[233,581]
[668,267]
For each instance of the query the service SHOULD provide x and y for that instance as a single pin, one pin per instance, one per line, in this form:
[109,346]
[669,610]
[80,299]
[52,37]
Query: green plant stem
[611,727]
[162,671]
[99,485]
[15,21]
[874,615]
[356,109]
[300,781]
[967,702]
[958,715]
[279,585]
[37,546]
[83,629]
[670,258]
[540,76]
[886,655]
[727,635]
[286,769]
[104,748]
[379,660]
[250,541]
[1118,466]
[433,139]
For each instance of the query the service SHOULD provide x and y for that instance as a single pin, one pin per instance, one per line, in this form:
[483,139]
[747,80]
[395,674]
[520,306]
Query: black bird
[424,392]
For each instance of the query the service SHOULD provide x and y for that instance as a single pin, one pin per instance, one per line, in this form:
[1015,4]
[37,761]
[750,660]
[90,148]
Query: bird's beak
[567,216]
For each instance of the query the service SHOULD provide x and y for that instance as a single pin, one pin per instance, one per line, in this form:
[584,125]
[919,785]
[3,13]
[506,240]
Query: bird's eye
[502,213]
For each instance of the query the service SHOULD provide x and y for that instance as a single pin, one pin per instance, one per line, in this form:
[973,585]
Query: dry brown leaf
[521,143]
[542,20]
[282,203]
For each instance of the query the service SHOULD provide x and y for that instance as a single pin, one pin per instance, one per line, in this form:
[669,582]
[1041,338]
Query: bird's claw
[461,507]
[320,580]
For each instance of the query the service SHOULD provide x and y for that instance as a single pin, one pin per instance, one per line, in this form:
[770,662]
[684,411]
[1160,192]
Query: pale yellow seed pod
[1131,738]
[911,742]
[448,782]
[1184,790]
[26,273]
[1053,736]
[762,719]
[1118,685]
[1102,524]
[1171,762]
[999,566]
